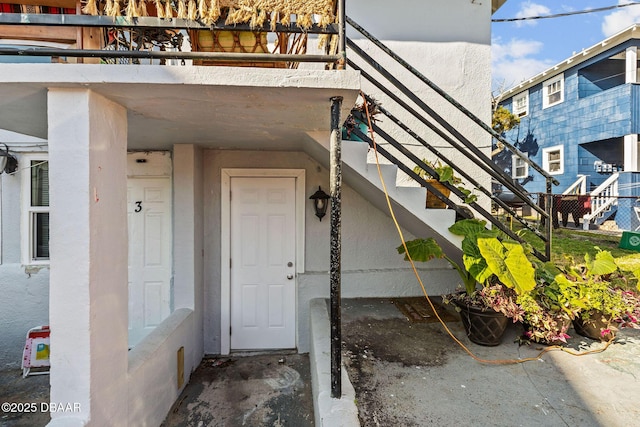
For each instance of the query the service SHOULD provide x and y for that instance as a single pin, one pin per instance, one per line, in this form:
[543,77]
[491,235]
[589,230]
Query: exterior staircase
[604,202]
[408,202]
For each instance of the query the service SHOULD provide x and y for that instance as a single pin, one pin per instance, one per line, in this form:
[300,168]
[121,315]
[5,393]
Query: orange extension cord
[424,291]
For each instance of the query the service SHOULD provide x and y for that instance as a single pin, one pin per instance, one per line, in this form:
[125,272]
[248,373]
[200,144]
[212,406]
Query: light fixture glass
[320,199]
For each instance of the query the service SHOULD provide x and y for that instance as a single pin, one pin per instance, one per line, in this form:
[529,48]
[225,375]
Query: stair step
[408,202]
[389,173]
[355,153]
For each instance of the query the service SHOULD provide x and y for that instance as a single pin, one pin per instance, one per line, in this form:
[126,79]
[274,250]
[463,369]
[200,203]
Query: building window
[519,168]
[521,104]
[35,192]
[552,91]
[553,160]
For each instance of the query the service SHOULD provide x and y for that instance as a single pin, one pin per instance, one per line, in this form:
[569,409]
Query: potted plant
[595,295]
[544,321]
[444,174]
[357,119]
[494,272]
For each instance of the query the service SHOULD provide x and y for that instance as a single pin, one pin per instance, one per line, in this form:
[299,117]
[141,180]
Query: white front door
[149,221]
[263,285]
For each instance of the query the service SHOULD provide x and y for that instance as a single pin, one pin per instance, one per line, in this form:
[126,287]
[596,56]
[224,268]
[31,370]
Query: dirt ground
[28,398]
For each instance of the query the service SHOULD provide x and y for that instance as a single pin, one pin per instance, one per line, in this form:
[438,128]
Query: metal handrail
[409,171]
[486,165]
[63,20]
[156,54]
[472,181]
[451,100]
[102,21]
[459,142]
[477,153]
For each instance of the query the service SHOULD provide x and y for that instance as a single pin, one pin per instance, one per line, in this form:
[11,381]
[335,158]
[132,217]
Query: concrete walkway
[413,374]
[399,374]
[246,390]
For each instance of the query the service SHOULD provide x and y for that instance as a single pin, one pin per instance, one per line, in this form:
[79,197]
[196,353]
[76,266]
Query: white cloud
[620,19]
[529,9]
[513,62]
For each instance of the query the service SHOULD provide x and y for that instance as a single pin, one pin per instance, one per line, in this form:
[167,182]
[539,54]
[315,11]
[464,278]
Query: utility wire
[560,15]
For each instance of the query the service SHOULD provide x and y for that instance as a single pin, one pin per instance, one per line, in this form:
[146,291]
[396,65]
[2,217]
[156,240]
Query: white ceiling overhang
[227,107]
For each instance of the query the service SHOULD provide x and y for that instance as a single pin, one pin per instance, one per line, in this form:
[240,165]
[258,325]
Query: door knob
[289,276]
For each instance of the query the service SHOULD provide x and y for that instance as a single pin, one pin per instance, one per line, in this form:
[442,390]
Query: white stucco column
[88,245]
[631,153]
[188,237]
[184,225]
[631,65]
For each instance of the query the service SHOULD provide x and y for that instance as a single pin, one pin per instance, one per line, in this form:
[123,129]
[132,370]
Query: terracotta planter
[432,200]
[593,326]
[483,326]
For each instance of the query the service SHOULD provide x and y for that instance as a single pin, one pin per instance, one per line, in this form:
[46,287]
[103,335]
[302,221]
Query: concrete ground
[404,374]
[247,390]
[413,374]
[27,398]
[237,390]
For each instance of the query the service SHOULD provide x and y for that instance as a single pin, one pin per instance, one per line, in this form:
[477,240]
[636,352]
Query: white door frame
[225,237]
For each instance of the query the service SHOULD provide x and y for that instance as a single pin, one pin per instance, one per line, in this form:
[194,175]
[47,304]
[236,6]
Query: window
[35,196]
[519,168]
[553,160]
[552,91]
[521,104]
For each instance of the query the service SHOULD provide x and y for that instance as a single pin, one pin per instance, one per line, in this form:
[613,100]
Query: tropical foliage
[501,275]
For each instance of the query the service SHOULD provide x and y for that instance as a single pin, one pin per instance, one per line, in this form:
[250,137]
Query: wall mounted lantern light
[8,163]
[320,199]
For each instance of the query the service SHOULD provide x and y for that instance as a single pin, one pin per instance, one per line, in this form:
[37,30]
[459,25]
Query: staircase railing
[603,198]
[439,125]
[579,187]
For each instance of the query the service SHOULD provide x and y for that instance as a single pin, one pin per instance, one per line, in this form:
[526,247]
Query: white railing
[577,188]
[603,199]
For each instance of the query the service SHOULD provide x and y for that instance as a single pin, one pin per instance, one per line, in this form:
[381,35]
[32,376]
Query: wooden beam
[71,4]
[43,33]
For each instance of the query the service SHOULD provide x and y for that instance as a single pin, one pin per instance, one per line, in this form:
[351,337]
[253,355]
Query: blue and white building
[580,120]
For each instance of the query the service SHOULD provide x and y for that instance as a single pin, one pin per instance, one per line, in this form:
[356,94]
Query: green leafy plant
[595,288]
[583,292]
[500,266]
[445,174]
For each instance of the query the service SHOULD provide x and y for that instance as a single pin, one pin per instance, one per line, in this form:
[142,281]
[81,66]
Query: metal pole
[336,247]
[342,34]
[549,223]
[149,54]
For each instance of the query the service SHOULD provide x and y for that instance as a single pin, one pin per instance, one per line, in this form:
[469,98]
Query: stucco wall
[153,377]
[447,41]
[24,301]
[371,265]
[435,20]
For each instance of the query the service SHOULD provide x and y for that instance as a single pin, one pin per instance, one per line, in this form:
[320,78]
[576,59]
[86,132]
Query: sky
[523,49]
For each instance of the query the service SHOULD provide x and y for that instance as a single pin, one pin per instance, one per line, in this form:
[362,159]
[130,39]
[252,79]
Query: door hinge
[229,262]
[229,330]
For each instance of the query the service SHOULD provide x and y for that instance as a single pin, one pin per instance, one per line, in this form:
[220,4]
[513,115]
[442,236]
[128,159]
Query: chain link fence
[611,215]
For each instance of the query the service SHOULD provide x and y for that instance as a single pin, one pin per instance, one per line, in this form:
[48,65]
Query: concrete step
[408,202]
